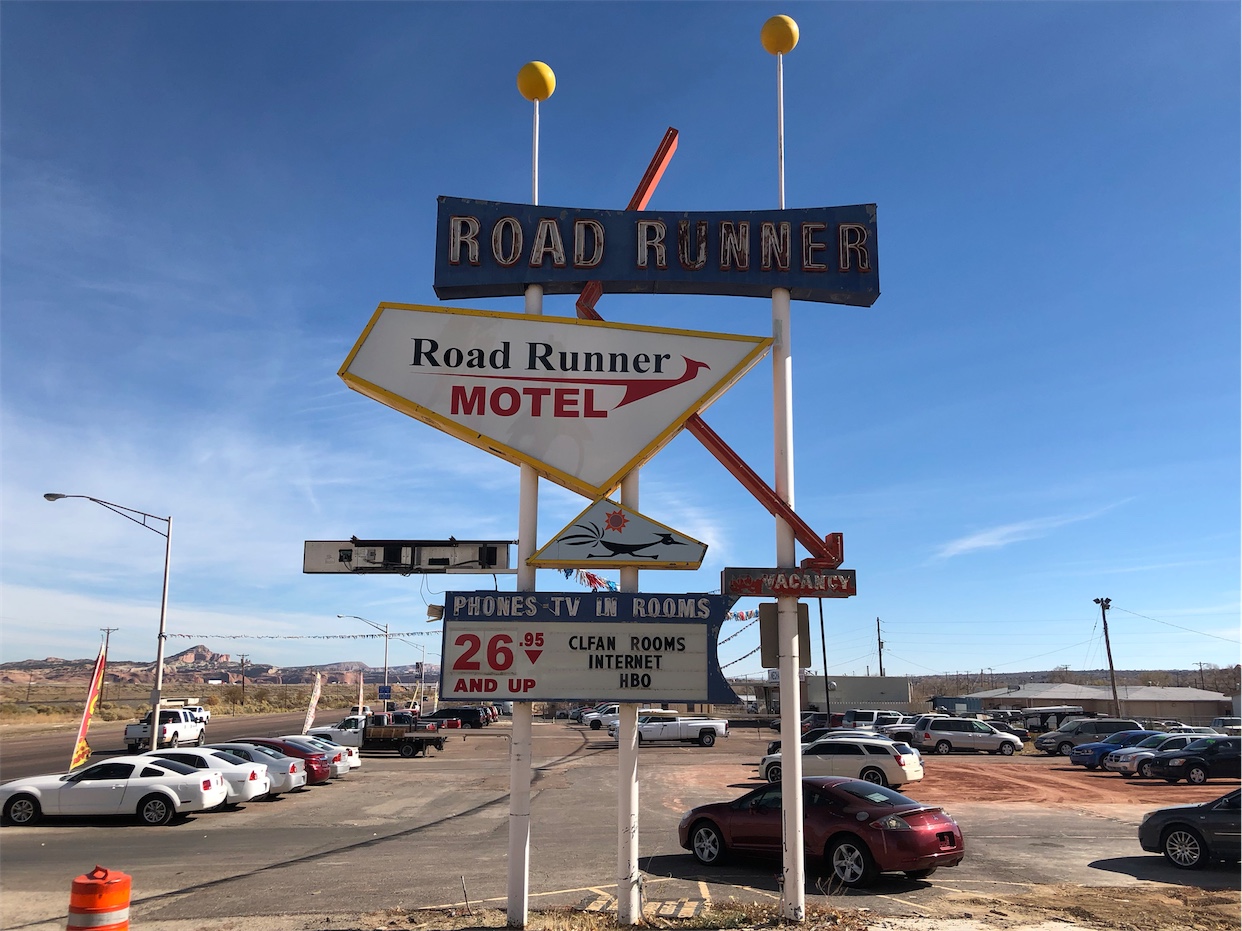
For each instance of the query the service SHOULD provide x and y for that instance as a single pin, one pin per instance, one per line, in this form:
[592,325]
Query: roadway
[432,833]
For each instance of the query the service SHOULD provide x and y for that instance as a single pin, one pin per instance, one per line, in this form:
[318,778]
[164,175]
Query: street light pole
[134,514]
[383,630]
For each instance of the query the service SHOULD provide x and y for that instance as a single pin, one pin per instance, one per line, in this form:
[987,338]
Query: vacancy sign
[610,535]
[582,401]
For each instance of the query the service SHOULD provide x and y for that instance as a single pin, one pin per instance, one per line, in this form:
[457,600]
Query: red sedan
[318,770]
[855,829]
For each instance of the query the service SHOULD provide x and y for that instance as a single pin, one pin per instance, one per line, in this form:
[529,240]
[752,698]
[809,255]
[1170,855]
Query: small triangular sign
[610,535]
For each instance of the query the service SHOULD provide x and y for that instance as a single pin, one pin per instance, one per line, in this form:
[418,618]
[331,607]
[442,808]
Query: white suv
[946,735]
[870,758]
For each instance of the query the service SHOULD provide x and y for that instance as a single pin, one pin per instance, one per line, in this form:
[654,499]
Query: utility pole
[107,632]
[244,657]
[1105,604]
[881,646]
[1201,665]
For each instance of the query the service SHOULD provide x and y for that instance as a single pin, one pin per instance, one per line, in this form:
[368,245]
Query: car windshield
[1201,744]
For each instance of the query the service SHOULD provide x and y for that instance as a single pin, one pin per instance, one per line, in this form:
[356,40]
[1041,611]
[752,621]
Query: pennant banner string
[412,633]
[740,658]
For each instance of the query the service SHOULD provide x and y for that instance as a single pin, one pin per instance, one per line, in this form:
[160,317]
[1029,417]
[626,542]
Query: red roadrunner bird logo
[593,535]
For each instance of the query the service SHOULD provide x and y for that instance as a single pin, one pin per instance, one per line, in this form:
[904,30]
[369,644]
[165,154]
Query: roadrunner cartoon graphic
[593,536]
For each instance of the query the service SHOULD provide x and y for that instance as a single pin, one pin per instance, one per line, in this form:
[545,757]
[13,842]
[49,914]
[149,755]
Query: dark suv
[1197,762]
[469,717]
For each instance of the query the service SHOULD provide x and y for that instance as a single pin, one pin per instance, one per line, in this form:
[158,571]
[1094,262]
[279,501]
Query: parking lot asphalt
[432,833]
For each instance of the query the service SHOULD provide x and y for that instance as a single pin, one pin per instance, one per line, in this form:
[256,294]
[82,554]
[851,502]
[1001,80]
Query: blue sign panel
[550,646]
[489,249]
[385,691]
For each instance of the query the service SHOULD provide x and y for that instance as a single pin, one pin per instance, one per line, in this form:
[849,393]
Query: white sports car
[243,780]
[155,790]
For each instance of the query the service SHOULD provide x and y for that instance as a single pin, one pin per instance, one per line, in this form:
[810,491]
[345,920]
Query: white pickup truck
[177,729]
[676,727]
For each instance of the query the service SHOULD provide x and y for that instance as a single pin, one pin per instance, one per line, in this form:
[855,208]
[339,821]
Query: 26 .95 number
[499,656]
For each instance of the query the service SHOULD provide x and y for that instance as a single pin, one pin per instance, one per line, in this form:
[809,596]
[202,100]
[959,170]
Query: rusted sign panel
[490,249]
[803,583]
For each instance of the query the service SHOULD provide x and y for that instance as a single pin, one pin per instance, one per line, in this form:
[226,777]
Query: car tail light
[206,785]
[900,759]
[891,823]
[293,767]
[337,758]
[254,775]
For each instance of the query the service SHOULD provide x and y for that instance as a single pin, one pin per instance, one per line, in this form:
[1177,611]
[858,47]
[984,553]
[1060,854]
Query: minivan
[949,735]
[1080,731]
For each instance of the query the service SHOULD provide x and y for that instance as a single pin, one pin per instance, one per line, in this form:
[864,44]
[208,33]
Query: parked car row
[1119,745]
[160,785]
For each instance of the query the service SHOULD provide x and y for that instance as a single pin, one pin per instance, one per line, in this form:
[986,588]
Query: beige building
[1188,705]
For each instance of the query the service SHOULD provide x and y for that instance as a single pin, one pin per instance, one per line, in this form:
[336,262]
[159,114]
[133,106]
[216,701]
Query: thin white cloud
[995,538]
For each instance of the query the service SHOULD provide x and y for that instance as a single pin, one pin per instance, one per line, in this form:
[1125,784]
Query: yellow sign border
[488,444]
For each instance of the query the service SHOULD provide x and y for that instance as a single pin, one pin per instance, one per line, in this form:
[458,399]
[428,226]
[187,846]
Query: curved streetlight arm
[378,627]
[383,630]
[133,514]
[127,513]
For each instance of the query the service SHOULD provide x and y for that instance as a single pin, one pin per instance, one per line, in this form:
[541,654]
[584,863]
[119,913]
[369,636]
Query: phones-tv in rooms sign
[553,646]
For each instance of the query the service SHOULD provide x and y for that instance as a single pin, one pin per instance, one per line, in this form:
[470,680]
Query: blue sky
[203,204]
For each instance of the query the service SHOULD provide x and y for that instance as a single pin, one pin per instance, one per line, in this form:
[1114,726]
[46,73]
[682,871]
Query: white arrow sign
[610,535]
[582,401]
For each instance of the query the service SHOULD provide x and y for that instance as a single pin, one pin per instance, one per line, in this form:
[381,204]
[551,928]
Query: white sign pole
[780,35]
[629,898]
[535,82]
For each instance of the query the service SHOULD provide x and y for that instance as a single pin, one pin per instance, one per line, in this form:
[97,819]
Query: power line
[1179,627]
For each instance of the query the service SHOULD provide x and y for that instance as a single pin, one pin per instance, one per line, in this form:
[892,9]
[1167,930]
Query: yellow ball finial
[779,35]
[536,81]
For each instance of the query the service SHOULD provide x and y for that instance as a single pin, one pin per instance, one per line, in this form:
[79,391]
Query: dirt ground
[1048,908]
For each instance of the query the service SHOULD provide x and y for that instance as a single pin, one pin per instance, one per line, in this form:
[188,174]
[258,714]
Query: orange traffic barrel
[99,901]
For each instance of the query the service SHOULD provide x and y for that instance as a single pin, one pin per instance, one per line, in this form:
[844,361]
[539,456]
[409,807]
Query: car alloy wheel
[944,747]
[706,842]
[1144,769]
[155,810]
[874,775]
[774,772]
[1196,775]
[1065,749]
[22,809]
[852,863]
[1183,847]
[1006,749]
[707,738]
